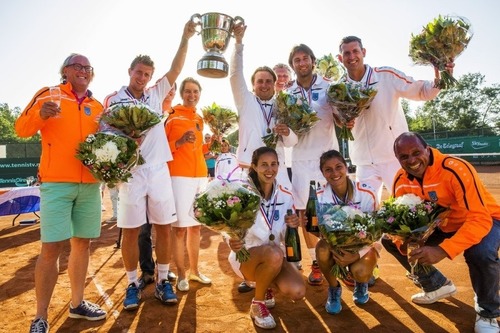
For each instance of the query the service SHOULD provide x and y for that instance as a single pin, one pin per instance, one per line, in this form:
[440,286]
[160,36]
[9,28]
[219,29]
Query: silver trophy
[216,30]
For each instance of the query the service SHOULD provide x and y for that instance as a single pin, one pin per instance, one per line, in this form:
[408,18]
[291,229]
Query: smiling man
[149,191]
[377,127]
[70,195]
[472,225]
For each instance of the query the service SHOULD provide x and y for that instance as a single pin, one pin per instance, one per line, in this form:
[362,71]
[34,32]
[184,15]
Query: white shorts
[282,177]
[376,174]
[149,192]
[302,173]
[185,189]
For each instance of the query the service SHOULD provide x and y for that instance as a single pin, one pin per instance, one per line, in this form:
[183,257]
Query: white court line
[107,300]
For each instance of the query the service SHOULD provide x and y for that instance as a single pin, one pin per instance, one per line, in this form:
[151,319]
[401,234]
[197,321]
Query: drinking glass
[410,247]
[55,96]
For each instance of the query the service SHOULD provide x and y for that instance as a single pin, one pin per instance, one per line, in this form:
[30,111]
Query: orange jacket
[189,160]
[454,183]
[61,136]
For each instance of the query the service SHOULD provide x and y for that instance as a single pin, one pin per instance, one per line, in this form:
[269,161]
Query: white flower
[107,153]
[410,200]
[90,138]
[352,211]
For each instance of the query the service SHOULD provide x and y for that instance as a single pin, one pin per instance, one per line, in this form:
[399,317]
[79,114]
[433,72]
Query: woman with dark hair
[267,265]
[340,190]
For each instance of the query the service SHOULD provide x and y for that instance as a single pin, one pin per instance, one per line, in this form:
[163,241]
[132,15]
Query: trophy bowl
[216,30]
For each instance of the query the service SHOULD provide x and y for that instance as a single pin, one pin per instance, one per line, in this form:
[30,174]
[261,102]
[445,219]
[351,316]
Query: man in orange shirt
[472,225]
[71,199]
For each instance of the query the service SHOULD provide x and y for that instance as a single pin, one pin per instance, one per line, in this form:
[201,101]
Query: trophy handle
[236,20]
[196,16]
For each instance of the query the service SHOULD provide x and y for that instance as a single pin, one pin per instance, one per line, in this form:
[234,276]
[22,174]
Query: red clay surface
[219,307]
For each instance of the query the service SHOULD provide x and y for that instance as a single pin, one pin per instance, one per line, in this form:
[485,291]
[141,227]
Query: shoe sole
[131,307]
[432,302]
[261,326]
[77,316]
[199,280]
[243,290]
[361,303]
[168,302]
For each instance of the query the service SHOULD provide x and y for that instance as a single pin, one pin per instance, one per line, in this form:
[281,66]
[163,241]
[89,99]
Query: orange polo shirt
[189,160]
[61,136]
[454,183]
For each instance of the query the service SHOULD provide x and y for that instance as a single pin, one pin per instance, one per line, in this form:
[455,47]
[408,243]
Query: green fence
[477,150]
[21,160]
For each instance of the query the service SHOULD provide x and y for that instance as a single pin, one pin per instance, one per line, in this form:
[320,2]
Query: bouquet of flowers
[229,207]
[220,120]
[329,67]
[293,111]
[132,120]
[440,42]
[346,228]
[407,215]
[349,100]
[408,218]
[109,157]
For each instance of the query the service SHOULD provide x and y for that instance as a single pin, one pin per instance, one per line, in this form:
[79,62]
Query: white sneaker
[261,315]
[486,325]
[430,297]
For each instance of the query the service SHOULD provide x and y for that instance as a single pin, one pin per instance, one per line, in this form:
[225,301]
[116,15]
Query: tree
[7,119]
[469,105]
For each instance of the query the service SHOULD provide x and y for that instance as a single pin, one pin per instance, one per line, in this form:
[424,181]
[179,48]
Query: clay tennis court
[219,307]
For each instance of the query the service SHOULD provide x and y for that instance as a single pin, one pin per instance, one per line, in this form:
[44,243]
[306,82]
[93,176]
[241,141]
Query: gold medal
[268,130]
[271,237]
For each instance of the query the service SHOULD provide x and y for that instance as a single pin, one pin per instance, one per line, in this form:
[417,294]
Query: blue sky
[37,36]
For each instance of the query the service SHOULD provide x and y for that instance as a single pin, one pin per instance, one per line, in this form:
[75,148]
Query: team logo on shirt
[276,216]
[433,196]
[86,110]
[315,96]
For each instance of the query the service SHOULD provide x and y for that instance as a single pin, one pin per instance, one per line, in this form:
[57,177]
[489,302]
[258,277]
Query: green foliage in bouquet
[132,120]
[221,121]
[441,41]
[109,157]
[346,228]
[293,111]
[350,100]
[407,215]
[329,67]
[229,207]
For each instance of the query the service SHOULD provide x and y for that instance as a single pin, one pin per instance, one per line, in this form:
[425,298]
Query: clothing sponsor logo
[433,196]
[450,145]
[276,216]
[479,145]
[86,110]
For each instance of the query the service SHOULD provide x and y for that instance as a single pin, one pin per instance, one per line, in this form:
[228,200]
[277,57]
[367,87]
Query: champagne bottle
[312,218]
[292,243]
